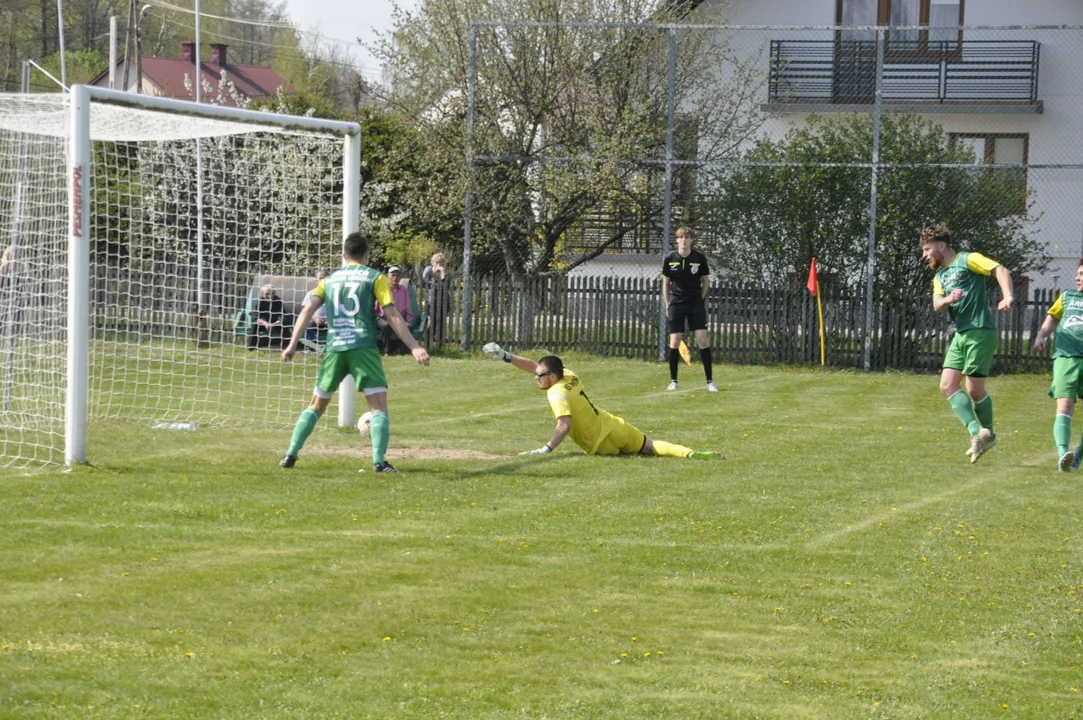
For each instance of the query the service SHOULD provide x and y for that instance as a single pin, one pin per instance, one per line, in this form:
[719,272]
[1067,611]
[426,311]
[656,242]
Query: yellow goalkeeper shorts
[623,439]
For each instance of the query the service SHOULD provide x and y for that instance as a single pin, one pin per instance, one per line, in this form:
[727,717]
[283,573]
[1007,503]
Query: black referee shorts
[694,313]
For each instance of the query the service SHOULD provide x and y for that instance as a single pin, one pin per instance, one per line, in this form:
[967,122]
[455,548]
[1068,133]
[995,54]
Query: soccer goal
[139,236]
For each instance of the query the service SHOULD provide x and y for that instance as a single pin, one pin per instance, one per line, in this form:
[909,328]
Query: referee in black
[685,283]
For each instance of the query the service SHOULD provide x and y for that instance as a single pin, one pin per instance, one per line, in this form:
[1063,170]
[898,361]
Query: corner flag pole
[813,286]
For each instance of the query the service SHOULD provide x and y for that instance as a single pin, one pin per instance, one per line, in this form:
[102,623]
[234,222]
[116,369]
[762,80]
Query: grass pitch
[844,560]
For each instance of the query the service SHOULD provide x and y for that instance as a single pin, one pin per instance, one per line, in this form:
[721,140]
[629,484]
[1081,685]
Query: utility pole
[139,48]
[112,52]
[128,42]
[60,36]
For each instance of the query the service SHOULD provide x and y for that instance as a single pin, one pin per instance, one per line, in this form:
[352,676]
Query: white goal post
[176,215]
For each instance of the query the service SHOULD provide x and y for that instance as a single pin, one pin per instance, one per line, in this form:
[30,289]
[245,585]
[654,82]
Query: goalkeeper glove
[543,450]
[496,352]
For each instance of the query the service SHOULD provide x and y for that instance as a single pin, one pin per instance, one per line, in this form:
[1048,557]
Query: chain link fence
[590,144]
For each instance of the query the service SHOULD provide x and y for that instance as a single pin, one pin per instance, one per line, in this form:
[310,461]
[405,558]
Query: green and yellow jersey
[590,424]
[968,272]
[350,294]
[1068,310]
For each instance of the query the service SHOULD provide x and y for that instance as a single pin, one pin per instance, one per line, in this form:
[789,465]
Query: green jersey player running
[351,294]
[1065,318]
[959,288]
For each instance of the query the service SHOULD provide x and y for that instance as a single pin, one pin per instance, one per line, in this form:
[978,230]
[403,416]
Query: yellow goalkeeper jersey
[590,424]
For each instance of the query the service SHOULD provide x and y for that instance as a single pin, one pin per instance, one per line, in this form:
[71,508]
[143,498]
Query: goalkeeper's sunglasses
[541,375]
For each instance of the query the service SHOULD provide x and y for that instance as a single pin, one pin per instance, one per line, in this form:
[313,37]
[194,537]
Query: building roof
[167,74]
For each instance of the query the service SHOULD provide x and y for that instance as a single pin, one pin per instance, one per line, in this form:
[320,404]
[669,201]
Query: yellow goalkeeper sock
[665,449]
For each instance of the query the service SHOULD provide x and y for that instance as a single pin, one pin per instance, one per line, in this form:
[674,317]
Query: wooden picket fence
[609,316]
[748,324]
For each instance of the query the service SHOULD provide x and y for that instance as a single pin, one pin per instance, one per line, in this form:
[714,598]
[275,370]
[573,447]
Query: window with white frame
[942,17]
[999,149]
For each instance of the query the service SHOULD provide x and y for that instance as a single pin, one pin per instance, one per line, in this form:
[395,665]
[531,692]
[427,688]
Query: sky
[347,21]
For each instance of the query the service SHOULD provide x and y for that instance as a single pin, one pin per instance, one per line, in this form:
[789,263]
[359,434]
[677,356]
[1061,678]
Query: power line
[260,23]
[263,23]
[292,52]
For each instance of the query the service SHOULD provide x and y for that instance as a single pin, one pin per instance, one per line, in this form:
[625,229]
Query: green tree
[390,166]
[81,65]
[768,222]
[570,112]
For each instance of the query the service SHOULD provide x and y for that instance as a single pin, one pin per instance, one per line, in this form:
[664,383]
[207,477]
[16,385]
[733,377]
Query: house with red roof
[175,77]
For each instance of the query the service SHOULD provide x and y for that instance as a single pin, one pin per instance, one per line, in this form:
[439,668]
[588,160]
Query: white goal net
[189,219]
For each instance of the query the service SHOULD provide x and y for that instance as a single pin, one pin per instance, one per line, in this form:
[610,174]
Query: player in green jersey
[351,294]
[591,428]
[959,288]
[1065,319]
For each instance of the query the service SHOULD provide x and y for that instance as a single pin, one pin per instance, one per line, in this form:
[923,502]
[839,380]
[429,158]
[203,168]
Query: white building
[1011,95]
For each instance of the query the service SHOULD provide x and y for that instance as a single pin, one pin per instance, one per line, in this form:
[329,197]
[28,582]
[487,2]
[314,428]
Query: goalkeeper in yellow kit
[591,428]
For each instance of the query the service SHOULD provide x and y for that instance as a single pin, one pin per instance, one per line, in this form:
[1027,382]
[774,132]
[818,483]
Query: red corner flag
[813,279]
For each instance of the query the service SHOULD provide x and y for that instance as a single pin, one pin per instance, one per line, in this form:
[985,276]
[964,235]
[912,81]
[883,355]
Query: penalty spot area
[408,453]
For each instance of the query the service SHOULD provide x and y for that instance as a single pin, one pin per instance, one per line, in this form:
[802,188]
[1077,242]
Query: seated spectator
[9,267]
[266,330]
[12,282]
[317,329]
[389,342]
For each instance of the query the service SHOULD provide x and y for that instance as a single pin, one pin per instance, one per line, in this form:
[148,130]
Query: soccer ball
[364,424]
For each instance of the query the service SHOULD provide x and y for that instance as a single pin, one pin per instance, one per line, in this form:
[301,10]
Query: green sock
[964,410]
[304,427]
[1062,433]
[984,412]
[381,433]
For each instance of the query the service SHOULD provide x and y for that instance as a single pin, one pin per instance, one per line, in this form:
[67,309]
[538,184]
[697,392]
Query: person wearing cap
[401,295]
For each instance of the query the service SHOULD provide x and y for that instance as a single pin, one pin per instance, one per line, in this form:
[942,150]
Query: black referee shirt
[685,275]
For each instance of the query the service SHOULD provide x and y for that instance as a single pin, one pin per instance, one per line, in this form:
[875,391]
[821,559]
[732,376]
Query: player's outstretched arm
[1048,328]
[299,327]
[394,319]
[564,426]
[1007,289]
[498,353]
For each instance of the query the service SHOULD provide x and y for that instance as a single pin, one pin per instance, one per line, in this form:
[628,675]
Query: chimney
[218,54]
[188,51]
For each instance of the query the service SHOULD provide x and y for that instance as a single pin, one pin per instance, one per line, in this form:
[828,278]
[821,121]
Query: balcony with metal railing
[922,76]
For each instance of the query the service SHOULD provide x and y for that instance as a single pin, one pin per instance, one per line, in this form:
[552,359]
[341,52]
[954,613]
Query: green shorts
[1067,373]
[971,352]
[364,365]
